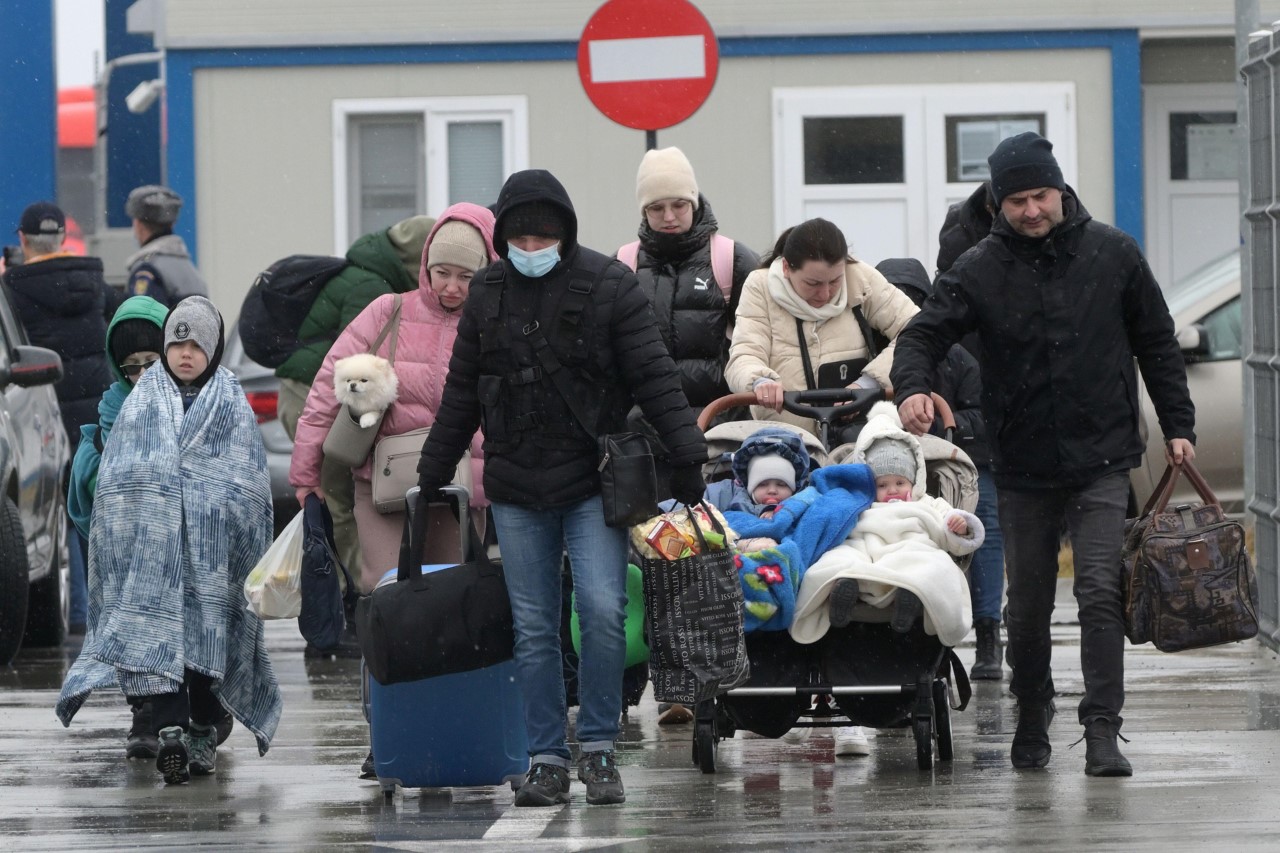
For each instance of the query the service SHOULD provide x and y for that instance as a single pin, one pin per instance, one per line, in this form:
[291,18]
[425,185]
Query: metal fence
[1261,71]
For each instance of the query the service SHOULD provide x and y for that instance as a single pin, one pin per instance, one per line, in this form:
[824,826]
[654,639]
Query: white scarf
[782,293]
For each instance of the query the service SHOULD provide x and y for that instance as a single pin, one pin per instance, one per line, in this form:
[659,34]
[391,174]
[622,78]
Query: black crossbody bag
[628,481]
[837,374]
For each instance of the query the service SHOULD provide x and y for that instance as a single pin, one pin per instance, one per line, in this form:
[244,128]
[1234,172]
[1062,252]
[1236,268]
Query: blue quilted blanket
[182,514]
[805,526]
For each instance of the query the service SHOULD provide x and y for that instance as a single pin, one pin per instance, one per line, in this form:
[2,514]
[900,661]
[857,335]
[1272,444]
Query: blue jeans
[986,572]
[1094,518]
[78,569]
[533,543]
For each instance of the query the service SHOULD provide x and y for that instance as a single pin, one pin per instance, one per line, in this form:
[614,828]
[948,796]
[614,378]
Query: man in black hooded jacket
[540,467]
[1062,305]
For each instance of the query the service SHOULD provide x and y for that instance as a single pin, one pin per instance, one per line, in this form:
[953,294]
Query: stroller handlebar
[823,405]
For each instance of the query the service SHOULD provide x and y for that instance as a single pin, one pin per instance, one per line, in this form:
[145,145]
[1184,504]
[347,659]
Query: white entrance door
[885,162]
[854,156]
[1191,193]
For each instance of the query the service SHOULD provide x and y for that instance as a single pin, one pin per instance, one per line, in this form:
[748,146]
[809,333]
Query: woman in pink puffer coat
[460,245]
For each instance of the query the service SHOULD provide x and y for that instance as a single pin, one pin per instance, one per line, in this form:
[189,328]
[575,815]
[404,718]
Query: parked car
[34,463]
[262,388]
[1206,313]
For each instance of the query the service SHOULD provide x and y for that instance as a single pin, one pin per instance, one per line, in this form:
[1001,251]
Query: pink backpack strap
[722,264]
[630,254]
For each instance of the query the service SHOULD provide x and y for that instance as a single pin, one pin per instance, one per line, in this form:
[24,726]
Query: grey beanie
[194,318]
[153,203]
[892,456]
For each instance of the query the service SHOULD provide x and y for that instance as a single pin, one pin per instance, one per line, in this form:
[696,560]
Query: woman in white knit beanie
[692,277]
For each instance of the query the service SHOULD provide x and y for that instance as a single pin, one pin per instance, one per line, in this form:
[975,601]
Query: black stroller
[864,674]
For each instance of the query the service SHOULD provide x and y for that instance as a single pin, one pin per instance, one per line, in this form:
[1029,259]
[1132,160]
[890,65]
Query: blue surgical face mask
[534,264]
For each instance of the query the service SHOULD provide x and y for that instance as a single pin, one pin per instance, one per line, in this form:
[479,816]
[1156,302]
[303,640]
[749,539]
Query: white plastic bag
[274,587]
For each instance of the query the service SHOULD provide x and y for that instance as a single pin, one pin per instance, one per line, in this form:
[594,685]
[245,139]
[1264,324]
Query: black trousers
[1093,515]
[193,703]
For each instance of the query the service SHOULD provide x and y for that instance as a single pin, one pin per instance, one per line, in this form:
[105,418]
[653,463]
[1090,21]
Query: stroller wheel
[942,716]
[705,745]
[922,728]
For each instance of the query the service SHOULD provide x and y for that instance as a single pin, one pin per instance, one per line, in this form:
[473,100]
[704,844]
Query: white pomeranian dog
[366,384]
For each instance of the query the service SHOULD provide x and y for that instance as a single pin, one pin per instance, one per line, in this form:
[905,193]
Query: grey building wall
[264,159]
[1182,60]
[259,22]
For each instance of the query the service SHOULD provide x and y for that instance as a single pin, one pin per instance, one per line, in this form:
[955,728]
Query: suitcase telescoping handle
[414,540]
[1159,499]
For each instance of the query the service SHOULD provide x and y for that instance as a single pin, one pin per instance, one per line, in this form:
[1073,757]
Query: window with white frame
[398,157]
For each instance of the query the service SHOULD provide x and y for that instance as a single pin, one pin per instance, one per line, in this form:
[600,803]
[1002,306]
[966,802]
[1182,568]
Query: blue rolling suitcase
[450,731]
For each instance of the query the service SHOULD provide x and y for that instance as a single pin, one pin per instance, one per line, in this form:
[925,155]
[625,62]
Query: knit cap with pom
[892,456]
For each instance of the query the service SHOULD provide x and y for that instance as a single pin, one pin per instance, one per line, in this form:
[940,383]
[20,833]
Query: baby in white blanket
[900,553]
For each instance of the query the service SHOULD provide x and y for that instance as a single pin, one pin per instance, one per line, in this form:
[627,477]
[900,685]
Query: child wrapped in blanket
[900,553]
[788,513]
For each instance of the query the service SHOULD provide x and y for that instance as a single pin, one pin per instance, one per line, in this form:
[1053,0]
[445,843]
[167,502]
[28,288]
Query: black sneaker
[844,596]
[142,741]
[171,758]
[1102,755]
[907,609]
[367,769]
[599,771]
[546,785]
[1031,747]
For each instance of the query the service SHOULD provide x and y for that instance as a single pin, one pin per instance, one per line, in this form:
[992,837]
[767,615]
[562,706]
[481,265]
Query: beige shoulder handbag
[348,443]
[395,469]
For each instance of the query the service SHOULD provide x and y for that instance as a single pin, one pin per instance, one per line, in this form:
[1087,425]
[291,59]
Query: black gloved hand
[429,491]
[687,485]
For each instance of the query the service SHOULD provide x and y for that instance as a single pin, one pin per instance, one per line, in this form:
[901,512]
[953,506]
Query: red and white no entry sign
[648,64]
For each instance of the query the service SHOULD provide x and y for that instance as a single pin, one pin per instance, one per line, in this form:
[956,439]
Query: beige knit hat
[459,244]
[665,173]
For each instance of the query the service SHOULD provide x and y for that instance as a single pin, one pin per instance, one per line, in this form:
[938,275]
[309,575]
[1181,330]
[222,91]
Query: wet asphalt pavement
[1203,725]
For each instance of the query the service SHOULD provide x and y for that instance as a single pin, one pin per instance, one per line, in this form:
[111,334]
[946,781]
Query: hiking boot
[202,750]
[142,741]
[987,665]
[673,714]
[907,610]
[599,771]
[844,596]
[545,785]
[171,757]
[223,726]
[367,769]
[1031,747]
[852,740]
[1101,752]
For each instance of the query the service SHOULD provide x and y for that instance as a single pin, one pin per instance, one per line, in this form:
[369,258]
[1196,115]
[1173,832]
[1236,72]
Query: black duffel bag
[450,620]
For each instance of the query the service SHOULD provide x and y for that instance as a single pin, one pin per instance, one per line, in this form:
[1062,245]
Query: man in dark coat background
[1062,305]
[65,304]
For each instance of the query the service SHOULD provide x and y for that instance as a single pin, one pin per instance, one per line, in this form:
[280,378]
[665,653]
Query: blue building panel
[134,149]
[28,109]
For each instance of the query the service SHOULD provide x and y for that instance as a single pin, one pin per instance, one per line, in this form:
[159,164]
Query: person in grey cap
[162,267]
[1063,306]
[64,304]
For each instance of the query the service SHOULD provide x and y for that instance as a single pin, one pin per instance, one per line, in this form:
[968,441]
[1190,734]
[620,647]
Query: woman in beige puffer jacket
[809,276]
